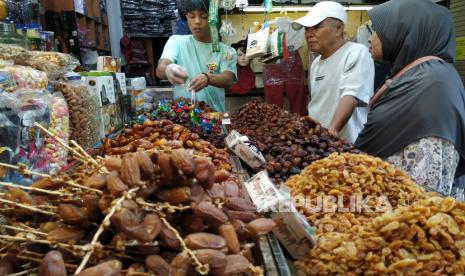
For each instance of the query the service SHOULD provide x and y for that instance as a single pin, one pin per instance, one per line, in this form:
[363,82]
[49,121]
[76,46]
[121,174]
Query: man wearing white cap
[342,76]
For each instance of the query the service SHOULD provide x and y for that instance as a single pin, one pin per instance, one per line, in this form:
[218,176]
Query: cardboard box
[136,88]
[108,64]
[121,79]
[102,85]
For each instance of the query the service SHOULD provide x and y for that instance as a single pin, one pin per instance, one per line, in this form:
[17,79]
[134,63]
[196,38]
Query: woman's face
[376,47]
[242,59]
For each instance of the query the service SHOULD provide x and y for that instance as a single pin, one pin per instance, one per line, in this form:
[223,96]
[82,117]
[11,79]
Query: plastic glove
[176,74]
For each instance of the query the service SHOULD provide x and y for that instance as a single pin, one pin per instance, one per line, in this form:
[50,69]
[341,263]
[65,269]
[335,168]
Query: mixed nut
[289,142]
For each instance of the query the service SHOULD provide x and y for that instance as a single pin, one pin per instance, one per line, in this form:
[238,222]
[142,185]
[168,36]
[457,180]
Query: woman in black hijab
[418,121]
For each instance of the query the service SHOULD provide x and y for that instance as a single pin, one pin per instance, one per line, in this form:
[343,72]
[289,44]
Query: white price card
[263,192]
[248,153]
[294,233]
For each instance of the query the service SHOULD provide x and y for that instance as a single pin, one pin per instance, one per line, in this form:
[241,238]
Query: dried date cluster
[427,238]
[289,142]
[163,134]
[350,178]
[161,210]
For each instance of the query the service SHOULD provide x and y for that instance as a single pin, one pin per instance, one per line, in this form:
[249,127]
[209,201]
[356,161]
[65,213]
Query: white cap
[320,12]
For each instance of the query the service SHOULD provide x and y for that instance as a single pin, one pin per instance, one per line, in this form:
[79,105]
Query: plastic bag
[275,47]
[13,53]
[54,64]
[57,154]
[27,77]
[257,43]
[21,110]
[7,82]
[84,110]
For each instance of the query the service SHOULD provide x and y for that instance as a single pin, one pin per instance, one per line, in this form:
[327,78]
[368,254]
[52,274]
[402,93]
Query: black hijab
[429,99]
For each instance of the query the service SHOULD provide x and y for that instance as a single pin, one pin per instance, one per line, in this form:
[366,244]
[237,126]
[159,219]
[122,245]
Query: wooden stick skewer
[106,222]
[71,183]
[24,230]
[12,185]
[18,168]
[28,207]
[52,244]
[61,142]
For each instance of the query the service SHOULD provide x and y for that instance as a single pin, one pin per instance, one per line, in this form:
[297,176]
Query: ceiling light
[288,8]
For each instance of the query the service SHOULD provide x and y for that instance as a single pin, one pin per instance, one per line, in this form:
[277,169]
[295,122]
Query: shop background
[242,23]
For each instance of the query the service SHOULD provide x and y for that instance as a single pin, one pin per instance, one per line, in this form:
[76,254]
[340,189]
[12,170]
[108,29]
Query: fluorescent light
[277,8]
[288,8]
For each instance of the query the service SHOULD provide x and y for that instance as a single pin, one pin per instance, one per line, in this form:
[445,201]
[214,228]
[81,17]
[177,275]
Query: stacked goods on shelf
[195,117]
[425,238]
[149,212]
[148,17]
[289,142]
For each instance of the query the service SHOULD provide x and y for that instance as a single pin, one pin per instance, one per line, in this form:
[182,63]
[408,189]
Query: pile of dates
[288,141]
[162,134]
[164,209]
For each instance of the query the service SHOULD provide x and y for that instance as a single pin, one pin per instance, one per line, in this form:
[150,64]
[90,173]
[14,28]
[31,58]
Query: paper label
[263,193]
[248,153]
[294,233]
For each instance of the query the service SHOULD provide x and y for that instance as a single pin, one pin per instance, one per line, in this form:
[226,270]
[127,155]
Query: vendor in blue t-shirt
[189,63]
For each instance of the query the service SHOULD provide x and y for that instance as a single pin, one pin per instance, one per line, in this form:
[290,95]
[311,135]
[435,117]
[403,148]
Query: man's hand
[198,83]
[176,74]
[333,132]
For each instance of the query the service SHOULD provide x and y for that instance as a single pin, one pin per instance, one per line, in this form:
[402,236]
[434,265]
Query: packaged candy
[27,77]
[59,125]
[20,110]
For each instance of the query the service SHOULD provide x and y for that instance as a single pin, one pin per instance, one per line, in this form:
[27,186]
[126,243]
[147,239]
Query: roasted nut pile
[426,238]
[289,142]
[364,186]
[149,212]
[163,134]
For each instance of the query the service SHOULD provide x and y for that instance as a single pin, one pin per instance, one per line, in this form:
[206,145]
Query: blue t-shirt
[197,58]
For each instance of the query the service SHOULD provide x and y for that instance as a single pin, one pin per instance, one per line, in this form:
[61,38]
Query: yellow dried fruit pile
[427,238]
[354,181]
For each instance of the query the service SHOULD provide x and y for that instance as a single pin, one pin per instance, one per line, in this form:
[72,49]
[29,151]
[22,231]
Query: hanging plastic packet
[213,22]
[268,6]
[227,29]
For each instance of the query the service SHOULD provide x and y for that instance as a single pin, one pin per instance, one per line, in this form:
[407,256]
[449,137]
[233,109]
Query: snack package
[27,77]
[84,111]
[54,64]
[13,53]
[25,141]
[7,82]
[59,125]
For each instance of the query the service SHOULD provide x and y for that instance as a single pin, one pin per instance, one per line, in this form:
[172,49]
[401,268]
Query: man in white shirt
[341,77]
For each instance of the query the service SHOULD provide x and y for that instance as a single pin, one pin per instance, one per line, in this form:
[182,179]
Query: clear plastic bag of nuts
[86,124]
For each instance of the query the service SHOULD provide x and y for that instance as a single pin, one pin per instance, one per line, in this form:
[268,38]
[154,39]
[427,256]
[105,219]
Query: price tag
[294,232]
[248,153]
[263,193]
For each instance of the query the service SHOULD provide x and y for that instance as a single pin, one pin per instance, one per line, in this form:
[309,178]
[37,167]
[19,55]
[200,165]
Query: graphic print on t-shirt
[212,67]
